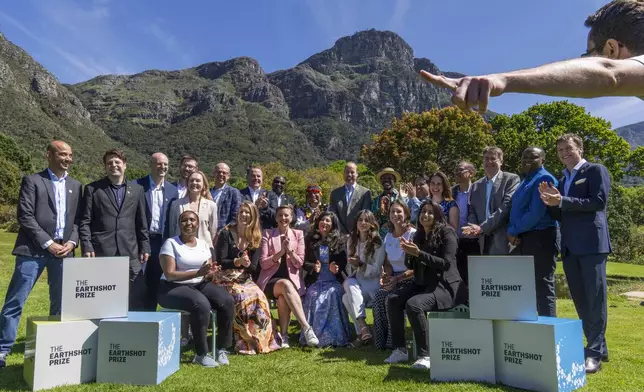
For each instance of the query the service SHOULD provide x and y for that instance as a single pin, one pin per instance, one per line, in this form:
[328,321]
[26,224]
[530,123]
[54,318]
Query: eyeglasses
[279,182]
[598,48]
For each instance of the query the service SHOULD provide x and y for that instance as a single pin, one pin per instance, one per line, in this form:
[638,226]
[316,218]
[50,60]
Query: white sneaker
[222,357]
[311,339]
[397,356]
[285,342]
[421,363]
[205,361]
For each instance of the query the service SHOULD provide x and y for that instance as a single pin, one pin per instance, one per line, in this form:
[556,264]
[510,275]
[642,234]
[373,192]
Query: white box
[502,288]
[95,288]
[460,348]
[59,352]
[546,355]
[142,348]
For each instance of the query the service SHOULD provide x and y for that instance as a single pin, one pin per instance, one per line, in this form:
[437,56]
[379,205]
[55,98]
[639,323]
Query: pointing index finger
[439,80]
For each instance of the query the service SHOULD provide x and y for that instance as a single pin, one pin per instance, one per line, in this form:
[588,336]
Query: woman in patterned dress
[440,191]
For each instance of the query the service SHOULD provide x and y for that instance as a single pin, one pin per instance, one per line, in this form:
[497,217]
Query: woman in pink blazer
[281,259]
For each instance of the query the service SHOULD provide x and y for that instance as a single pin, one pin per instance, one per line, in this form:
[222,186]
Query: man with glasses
[613,65]
[187,166]
[277,198]
[416,194]
[490,204]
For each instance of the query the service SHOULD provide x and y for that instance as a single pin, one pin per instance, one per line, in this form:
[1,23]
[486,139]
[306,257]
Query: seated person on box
[186,285]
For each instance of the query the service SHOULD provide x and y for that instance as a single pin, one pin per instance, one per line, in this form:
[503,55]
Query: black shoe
[605,358]
[593,365]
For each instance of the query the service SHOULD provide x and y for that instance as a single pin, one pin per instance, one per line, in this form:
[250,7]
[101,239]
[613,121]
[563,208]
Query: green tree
[425,142]
[637,162]
[542,124]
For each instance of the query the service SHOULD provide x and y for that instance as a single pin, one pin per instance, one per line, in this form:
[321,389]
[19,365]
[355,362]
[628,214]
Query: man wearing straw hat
[388,178]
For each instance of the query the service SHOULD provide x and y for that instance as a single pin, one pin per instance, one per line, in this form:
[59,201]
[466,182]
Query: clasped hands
[208,270]
[333,267]
[61,251]
[143,257]
[243,261]
[262,201]
[549,194]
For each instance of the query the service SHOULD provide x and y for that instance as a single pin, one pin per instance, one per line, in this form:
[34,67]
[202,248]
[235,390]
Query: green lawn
[311,370]
[618,270]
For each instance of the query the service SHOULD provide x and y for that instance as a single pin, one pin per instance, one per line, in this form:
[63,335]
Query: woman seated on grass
[364,268]
[437,284]
[281,278]
[237,251]
[185,285]
[325,260]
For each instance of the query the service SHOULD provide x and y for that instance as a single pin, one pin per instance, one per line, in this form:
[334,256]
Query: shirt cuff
[74,243]
[560,202]
[46,244]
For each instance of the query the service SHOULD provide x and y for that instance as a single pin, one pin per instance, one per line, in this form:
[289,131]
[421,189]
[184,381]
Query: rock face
[633,133]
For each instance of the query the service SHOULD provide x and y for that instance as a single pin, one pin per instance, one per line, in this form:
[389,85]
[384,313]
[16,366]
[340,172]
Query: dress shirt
[60,202]
[463,201]
[349,191]
[489,185]
[119,193]
[528,212]
[216,193]
[279,199]
[254,193]
[571,175]
[156,208]
[182,190]
[414,207]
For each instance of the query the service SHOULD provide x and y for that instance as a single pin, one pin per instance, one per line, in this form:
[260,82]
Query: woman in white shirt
[186,285]
[364,269]
[396,274]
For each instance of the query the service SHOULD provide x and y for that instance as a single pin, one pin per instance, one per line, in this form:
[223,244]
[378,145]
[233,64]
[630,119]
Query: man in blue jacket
[580,203]
[533,230]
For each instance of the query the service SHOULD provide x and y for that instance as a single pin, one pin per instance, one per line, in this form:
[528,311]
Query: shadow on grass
[417,376]
[11,379]
[368,355]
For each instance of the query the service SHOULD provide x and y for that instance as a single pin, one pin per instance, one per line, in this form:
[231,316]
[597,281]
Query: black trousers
[153,273]
[544,247]
[137,291]
[466,247]
[416,301]
[199,299]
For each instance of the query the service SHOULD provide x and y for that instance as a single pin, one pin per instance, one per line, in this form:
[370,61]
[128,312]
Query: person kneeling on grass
[186,285]
[432,257]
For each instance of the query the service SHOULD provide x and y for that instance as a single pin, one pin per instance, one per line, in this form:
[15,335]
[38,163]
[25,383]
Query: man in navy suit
[255,194]
[579,203]
[159,193]
[225,196]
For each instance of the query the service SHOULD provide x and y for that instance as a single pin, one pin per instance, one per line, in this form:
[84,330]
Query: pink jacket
[271,245]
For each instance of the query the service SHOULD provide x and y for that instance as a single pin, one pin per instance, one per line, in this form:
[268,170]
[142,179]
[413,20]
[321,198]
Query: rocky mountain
[633,133]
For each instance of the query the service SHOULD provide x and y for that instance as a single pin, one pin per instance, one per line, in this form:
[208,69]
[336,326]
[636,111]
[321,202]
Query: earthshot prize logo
[165,352]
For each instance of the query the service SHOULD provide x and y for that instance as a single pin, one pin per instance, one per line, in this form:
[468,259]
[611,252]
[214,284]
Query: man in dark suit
[114,222]
[276,197]
[48,216]
[490,204]
[580,203]
[159,193]
[255,194]
[349,199]
[225,196]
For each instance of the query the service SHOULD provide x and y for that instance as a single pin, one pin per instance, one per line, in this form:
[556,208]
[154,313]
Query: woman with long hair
[237,252]
[441,194]
[364,268]
[325,260]
[281,259]
[396,274]
[437,283]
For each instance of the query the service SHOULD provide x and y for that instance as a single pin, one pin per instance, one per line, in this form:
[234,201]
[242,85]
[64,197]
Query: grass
[341,369]
[618,271]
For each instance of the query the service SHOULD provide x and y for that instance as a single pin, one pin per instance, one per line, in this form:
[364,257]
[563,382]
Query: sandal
[365,338]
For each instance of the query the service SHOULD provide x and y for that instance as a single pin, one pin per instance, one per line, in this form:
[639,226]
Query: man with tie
[277,198]
[227,198]
[490,204]
[467,246]
[48,208]
[533,230]
[187,166]
[348,200]
[159,193]
[254,193]
[114,222]
[579,203]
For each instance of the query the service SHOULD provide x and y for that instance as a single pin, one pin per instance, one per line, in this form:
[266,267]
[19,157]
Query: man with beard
[277,198]
[533,230]
[187,166]
[380,207]
[159,193]
[114,222]
[48,208]
[349,199]
[227,198]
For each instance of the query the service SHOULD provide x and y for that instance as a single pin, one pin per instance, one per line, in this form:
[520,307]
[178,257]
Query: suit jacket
[227,206]
[109,231]
[312,255]
[584,228]
[37,214]
[170,194]
[271,245]
[496,225]
[272,206]
[360,200]
[266,216]
[435,268]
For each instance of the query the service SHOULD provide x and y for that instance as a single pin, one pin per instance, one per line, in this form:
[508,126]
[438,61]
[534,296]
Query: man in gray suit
[490,204]
[349,199]
[48,216]
[114,222]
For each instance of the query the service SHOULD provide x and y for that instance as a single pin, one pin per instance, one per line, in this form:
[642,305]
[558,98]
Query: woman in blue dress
[441,194]
[324,262]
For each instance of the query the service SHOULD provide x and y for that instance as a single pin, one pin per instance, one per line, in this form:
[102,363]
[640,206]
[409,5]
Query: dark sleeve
[366,203]
[235,202]
[598,189]
[85,229]
[223,252]
[142,235]
[441,262]
[341,259]
[254,260]
[74,236]
[309,259]
[27,212]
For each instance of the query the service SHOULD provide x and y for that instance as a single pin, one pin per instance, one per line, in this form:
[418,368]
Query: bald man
[159,193]
[533,230]
[48,216]
[227,198]
[349,199]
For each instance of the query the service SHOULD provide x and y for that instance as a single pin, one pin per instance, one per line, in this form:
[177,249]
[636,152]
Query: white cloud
[400,12]
[619,111]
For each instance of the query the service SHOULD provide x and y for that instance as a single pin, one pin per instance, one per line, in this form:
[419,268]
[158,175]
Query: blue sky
[79,39]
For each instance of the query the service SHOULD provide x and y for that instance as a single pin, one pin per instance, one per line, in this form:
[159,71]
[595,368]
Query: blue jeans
[25,275]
